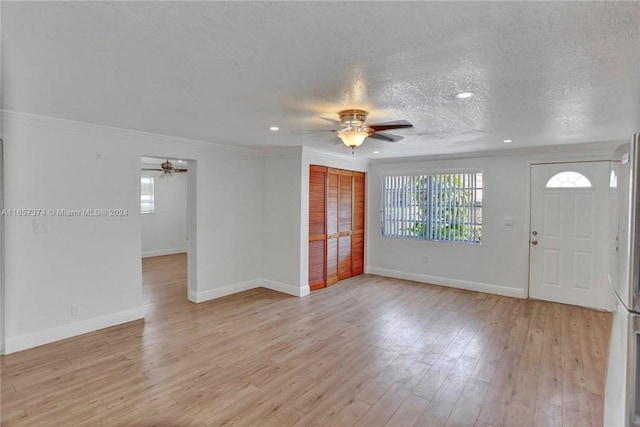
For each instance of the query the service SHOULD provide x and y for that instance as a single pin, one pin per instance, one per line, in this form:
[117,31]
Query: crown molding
[593,149]
[278,151]
[335,156]
[601,150]
[73,125]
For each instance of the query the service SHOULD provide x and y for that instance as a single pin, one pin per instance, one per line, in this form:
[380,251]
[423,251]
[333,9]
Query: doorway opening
[167,230]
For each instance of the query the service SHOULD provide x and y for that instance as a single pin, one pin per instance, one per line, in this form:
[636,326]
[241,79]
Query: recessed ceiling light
[376,152]
[464,95]
[180,161]
[274,128]
[508,141]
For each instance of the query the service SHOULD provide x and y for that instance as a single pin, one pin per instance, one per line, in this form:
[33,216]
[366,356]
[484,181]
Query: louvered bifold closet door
[336,225]
[317,227]
[345,223]
[332,225]
[357,237]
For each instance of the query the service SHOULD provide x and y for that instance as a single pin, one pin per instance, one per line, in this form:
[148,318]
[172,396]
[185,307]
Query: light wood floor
[369,351]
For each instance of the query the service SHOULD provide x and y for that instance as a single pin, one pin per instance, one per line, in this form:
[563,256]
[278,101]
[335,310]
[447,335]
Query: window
[568,179]
[613,179]
[433,207]
[146,194]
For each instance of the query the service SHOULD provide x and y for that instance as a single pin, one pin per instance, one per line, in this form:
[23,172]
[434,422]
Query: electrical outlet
[425,260]
[75,309]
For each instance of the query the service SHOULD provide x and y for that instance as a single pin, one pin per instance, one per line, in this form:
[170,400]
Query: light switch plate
[508,221]
[40,227]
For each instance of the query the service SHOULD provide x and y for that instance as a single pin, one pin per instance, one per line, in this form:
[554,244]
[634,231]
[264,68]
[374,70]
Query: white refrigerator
[622,392]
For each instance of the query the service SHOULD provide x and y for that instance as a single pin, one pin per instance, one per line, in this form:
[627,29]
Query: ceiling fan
[353,130]
[167,169]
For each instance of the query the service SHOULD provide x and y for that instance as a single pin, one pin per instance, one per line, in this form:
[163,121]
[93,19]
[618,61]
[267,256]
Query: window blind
[444,207]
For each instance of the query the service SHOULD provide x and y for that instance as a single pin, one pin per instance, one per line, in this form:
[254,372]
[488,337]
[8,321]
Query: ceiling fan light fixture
[167,176]
[353,138]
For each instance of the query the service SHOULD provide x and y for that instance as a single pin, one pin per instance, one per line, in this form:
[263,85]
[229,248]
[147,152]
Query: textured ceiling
[543,73]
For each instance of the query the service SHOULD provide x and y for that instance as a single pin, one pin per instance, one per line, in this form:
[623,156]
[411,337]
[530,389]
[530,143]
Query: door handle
[534,242]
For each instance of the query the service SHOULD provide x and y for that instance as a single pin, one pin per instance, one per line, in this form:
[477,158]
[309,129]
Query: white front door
[568,234]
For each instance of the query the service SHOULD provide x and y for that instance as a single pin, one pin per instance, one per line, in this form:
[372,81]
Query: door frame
[528,189]
[192,197]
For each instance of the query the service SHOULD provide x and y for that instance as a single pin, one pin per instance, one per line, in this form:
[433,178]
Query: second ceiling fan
[167,169]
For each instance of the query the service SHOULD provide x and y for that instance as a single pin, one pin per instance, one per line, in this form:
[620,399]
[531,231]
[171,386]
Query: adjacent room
[319,213]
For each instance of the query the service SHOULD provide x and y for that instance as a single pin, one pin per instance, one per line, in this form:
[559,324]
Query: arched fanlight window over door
[568,179]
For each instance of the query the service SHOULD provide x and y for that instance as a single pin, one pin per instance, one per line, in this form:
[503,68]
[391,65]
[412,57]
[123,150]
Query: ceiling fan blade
[143,169]
[180,170]
[386,137]
[398,124]
[332,121]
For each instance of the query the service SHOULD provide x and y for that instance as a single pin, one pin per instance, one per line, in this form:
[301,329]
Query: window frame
[569,187]
[476,202]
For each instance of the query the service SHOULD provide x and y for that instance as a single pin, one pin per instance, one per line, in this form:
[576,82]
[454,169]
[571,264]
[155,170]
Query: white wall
[280,219]
[164,231]
[2,298]
[501,263]
[95,262]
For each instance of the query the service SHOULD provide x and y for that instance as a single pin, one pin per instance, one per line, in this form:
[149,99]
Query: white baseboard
[225,290]
[285,288]
[47,336]
[161,252]
[35,339]
[192,296]
[245,286]
[453,283]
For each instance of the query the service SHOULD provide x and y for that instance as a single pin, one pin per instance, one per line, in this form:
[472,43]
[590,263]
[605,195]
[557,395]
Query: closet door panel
[317,227]
[332,260]
[317,266]
[357,254]
[332,224]
[345,223]
[332,201]
[358,201]
[345,202]
[344,257]
[317,201]
[357,240]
